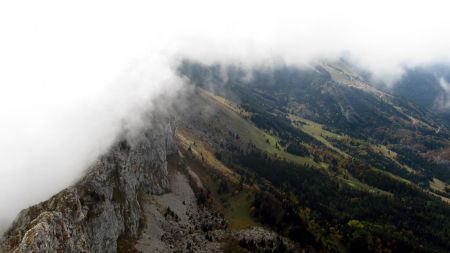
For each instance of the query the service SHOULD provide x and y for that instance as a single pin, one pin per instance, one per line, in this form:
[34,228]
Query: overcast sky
[71,72]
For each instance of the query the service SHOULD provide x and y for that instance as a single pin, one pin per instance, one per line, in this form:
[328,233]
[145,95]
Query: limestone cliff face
[104,205]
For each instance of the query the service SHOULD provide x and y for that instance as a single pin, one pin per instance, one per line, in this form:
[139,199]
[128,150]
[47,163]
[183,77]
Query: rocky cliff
[104,205]
[152,192]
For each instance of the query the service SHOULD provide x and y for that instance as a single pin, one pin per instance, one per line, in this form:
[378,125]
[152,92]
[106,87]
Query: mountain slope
[275,159]
[91,215]
[378,161]
[142,196]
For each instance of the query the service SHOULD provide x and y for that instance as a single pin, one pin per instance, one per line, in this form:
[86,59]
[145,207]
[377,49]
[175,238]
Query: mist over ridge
[72,75]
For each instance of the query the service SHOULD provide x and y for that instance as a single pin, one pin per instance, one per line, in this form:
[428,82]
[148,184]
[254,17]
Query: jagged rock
[129,200]
[104,205]
[258,239]
[170,218]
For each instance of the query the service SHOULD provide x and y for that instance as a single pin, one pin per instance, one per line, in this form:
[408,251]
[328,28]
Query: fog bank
[72,74]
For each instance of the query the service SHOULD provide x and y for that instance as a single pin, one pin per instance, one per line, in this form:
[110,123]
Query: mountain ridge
[90,215]
[288,160]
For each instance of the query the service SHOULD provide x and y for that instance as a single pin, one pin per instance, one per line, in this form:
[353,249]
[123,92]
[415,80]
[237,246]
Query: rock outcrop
[104,205]
[174,222]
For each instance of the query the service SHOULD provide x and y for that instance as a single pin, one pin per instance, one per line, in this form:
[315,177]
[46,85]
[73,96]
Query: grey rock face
[104,205]
[258,239]
[175,223]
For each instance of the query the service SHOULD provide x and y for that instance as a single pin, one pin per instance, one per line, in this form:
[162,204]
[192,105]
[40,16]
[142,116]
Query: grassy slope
[231,117]
[235,205]
[234,118]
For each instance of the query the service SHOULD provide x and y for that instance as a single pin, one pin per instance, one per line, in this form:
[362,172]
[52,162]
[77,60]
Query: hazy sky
[72,72]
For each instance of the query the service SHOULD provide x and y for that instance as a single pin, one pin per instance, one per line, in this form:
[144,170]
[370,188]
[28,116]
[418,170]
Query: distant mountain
[426,86]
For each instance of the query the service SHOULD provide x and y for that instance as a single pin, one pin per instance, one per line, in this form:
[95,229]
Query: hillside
[359,167]
[279,159]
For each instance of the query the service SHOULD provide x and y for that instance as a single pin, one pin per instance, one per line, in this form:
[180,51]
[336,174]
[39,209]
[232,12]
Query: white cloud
[70,72]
